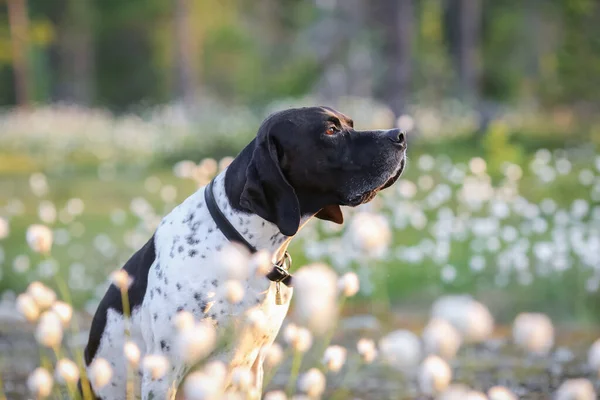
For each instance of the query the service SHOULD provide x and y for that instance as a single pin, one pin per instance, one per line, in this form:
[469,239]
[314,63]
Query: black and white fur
[303,163]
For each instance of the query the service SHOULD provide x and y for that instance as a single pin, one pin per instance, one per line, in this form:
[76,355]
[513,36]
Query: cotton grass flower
[401,349]
[49,331]
[594,357]
[299,338]
[27,307]
[260,263]
[533,332]
[501,393]
[275,395]
[225,162]
[216,370]
[349,284]
[234,291]
[183,320]
[121,279]
[370,232]
[209,167]
[39,238]
[40,383]
[196,342]
[455,391]
[441,338]
[242,378]
[47,212]
[155,365]
[367,350]
[312,383]
[274,355]
[472,319]
[315,287]
[100,373]
[64,312]
[434,375]
[4,228]
[66,371]
[334,358]
[199,386]
[132,353]
[233,262]
[257,320]
[43,296]
[576,389]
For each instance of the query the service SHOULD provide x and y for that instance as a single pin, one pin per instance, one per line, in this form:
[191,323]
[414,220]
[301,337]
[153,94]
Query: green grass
[561,295]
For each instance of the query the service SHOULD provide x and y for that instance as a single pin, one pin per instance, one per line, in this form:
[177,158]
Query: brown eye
[331,130]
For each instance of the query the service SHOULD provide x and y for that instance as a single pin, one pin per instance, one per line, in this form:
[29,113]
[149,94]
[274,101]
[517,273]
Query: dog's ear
[331,213]
[267,193]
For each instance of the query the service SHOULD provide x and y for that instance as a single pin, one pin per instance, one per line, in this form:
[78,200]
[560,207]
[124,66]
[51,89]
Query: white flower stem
[331,331]
[272,372]
[341,390]
[126,316]
[296,363]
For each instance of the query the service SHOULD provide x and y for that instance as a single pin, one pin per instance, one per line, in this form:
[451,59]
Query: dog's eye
[332,130]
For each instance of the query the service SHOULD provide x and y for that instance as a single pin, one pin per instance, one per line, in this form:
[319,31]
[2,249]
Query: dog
[303,163]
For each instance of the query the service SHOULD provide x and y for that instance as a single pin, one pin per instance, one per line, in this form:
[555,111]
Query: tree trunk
[465,21]
[75,53]
[185,62]
[396,18]
[19,29]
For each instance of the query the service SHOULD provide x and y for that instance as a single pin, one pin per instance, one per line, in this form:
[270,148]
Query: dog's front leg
[258,371]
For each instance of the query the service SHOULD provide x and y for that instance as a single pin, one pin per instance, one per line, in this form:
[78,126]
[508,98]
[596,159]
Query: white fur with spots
[185,276]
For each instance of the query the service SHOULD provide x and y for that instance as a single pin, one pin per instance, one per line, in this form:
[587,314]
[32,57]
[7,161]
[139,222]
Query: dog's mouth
[396,175]
[367,196]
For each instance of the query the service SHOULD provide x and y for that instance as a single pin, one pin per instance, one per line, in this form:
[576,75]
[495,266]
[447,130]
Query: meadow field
[509,217]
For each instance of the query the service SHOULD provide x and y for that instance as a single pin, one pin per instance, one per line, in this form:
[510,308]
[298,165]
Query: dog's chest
[189,274]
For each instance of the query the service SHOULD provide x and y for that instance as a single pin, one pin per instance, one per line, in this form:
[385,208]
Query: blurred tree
[126,53]
[396,21]
[119,53]
[75,58]
[19,32]
[186,72]
[463,19]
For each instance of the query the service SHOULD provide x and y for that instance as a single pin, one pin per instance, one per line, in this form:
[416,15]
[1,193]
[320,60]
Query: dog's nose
[396,136]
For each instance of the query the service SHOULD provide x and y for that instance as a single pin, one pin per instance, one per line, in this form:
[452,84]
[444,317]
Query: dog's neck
[257,231]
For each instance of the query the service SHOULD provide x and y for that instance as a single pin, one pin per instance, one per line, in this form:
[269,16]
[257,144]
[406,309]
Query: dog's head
[309,161]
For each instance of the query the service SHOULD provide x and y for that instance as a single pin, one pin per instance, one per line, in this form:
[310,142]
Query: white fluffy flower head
[100,373]
[155,365]
[132,353]
[66,371]
[195,343]
[43,296]
[121,279]
[434,375]
[367,350]
[39,238]
[349,284]
[401,349]
[40,383]
[334,358]
[49,331]
[64,312]
[27,307]
[312,383]
[315,287]
[533,332]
